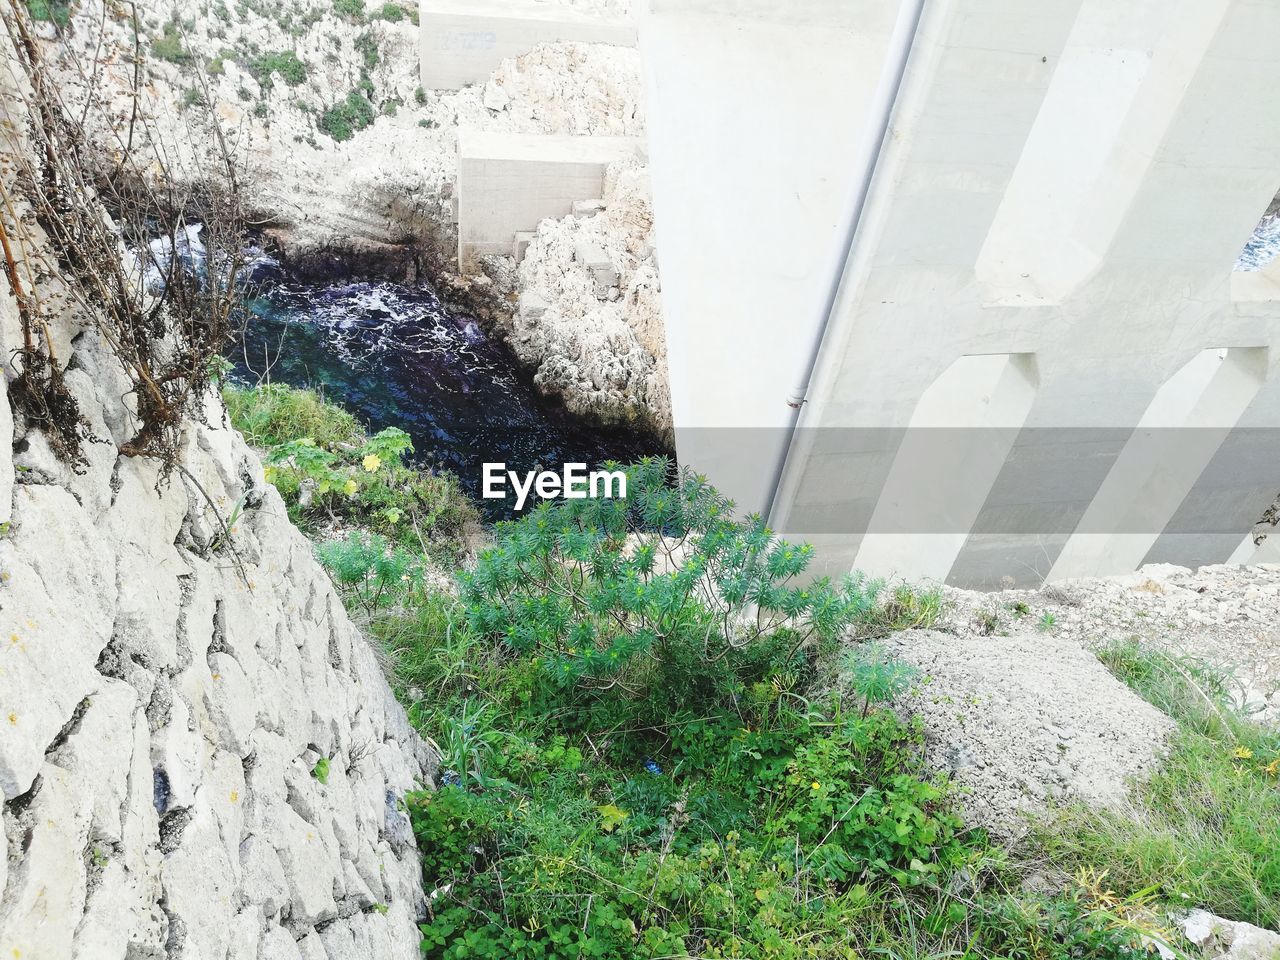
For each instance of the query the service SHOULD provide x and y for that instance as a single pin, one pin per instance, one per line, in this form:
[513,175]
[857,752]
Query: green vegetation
[169,45]
[350,9]
[343,120]
[192,97]
[321,770]
[1206,825]
[367,45]
[285,63]
[50,11]
[332,471]
[273,414]
[660,738]
[394,13]
[657,741]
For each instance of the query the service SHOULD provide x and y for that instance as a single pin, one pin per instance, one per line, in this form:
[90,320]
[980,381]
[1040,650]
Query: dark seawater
[393,356]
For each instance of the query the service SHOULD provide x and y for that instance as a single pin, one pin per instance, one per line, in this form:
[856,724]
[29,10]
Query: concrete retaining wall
[509,183]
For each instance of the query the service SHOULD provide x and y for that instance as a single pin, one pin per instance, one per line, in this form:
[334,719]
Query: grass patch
[1206,829]
[327,468]
[273,414]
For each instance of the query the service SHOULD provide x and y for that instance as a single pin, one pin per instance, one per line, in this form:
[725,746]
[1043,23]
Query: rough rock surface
[389,184]
[590,316]
[1228,940]
[163,705]
[1228,616]
[1020,720]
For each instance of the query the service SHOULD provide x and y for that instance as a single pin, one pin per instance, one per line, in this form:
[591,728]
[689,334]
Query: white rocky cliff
[164,707]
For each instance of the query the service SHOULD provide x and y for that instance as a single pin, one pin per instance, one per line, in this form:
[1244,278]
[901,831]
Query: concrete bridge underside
[1041,362]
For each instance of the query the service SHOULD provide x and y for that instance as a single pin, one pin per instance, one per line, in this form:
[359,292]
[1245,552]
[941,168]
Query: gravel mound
[1228,616]
[1023,720]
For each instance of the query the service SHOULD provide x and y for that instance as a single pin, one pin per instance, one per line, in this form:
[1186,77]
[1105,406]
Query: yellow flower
[815,785]
[350,488]
[372,462]
[1242,753]
[1272,769]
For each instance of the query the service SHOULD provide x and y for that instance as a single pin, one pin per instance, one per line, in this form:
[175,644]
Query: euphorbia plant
[608,592]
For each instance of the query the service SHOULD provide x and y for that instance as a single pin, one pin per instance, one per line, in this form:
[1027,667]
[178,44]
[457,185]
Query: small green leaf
[611,817]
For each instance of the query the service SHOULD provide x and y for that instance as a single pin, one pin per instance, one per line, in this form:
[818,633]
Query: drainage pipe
[879,116]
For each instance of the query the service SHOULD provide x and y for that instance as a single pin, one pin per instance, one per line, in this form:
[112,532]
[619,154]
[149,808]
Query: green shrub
[367,45]
[191,97]
[391,12]
[343,120]
[369,571]
[654,593]
[50,11]
[169,46]
[284,63]
[350,9]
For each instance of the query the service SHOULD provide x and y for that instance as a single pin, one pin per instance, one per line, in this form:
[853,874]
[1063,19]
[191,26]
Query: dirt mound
[1022,720]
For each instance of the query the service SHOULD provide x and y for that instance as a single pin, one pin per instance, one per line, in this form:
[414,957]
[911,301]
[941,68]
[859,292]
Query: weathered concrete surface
[509,183]
[1065,188]
[164,699]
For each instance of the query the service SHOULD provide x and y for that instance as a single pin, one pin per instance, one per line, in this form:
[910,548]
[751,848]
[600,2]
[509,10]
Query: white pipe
[880,114]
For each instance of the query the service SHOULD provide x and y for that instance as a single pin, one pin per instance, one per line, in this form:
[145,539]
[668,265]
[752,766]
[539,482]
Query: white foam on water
[1263,246]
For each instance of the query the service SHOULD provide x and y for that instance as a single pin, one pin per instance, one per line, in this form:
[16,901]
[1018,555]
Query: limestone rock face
[590,315]
[1228,940]
[164,704]
[165,695]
